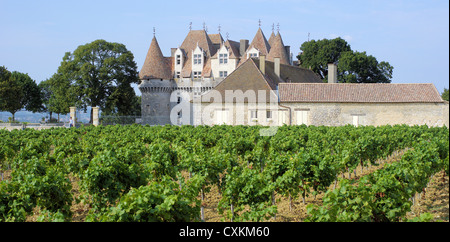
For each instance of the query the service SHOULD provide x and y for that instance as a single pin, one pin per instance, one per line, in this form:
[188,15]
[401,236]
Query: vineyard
[220,173]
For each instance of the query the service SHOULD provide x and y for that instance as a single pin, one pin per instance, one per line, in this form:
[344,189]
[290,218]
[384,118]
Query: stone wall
[376,114]
[36,126]
[330,114]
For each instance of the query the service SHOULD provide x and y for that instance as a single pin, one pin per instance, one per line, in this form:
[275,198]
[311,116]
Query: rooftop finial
[154,31]
[219,28]
[228,35]
[278,27]
[259,23]
[190,26]
[273,27]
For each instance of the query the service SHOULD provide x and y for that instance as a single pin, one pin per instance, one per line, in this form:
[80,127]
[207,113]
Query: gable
[247,80]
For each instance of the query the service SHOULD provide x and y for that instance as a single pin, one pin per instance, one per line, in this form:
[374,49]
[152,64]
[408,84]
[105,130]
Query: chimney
[277,66]
[288,53]
[243,46]
[332,73]
[262,64]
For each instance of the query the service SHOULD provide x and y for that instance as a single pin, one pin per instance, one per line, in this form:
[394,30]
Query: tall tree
[58,94]
[32,99]
[10,93]
[353,66]
[18,91]
[99,71]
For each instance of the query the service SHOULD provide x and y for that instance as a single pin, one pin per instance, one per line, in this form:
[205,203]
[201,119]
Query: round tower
[156,86]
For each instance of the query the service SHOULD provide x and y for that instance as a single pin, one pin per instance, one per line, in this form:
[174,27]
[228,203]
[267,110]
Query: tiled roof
[260,43]
[290,74]
[358,93]
[156,66]
[271,39]
[189,44]
[248,76]
[216,38]
[277,49]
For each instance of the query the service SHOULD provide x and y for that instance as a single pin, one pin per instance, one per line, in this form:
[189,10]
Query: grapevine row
[135,173]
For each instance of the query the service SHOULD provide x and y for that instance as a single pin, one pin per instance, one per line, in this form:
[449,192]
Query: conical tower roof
[278,50]
[156,65]
[260,43]
[271,39]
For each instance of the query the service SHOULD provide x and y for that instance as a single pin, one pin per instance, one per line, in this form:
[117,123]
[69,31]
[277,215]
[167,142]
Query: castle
[198,65]
[266,87]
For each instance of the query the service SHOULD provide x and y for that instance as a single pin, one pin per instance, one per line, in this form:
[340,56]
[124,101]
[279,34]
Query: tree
[32,98]
[58,94]
[101,74]
[358,67]
[10,93]
[353,66]
[444,94]
[317,54]
[18,91]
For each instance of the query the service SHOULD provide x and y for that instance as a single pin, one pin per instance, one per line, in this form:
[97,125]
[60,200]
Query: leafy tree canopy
[18,91]
[444,94]
[101,74]
[353,66]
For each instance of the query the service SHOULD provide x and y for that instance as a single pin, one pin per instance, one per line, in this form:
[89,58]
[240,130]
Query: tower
[156,86]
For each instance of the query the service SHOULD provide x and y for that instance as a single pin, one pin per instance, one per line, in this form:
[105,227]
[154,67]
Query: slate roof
[359,93]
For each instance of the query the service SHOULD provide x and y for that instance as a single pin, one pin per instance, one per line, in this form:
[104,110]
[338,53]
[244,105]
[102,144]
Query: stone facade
[375,114]
[326,114]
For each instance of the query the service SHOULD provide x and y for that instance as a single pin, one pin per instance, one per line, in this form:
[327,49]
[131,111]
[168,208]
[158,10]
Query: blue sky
[412,35]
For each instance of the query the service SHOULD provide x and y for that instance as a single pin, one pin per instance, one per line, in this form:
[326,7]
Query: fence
[122,120]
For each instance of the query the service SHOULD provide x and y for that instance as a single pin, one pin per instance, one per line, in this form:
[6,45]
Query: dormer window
[178,59]
[223,58]
[197,74]
[197,59]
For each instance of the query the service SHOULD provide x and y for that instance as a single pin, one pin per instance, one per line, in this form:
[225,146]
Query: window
[254,114]
[177,74]
[223,58]
[197,59]
[268,114]
[178,100]
[180,115]
[282,117]
[223,74]
[197,74]
[253,55]
[178,59]
[357,119]
[302,117]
